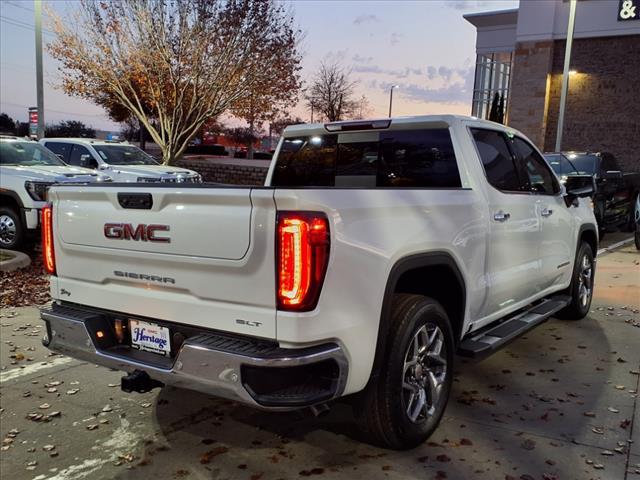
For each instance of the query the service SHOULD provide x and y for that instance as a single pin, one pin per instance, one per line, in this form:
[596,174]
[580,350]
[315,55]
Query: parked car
[376,251]
[616,192]
[27,170]
[207,149]
[120,160]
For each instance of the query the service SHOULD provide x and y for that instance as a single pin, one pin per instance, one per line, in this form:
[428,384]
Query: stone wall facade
[603,105]
[232,173]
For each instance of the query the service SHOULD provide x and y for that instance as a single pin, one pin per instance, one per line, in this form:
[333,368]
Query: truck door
[512,262]
[557,244]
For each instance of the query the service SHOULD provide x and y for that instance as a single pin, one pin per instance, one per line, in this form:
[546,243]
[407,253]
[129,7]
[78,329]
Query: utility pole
[391,97]
[37,4]
[565,73]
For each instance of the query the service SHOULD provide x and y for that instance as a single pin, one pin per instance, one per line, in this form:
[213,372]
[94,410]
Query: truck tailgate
[203,256]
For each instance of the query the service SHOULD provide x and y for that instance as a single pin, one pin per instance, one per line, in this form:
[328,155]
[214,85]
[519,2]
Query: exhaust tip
[320,410]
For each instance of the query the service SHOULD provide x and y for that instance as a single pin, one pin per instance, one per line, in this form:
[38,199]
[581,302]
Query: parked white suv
[27,170]
[120,160]
[375,251]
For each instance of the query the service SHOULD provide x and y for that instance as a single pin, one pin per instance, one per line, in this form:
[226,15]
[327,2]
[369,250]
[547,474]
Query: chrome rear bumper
[218,365]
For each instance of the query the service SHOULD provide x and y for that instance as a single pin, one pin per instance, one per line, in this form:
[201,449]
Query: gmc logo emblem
[139,233]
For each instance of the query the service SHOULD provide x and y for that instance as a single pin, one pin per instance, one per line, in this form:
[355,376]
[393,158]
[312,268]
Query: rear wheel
[581,288]
[403,405]
[634,213]
[11,229]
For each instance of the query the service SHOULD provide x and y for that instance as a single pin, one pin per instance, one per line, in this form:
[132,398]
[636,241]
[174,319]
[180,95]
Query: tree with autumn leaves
[176,64]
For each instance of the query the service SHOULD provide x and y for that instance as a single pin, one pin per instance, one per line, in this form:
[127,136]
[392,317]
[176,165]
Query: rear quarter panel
[370,231]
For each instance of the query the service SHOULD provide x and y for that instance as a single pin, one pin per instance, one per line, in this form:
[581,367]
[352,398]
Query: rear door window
[499,164]
[60,149]
[539,177]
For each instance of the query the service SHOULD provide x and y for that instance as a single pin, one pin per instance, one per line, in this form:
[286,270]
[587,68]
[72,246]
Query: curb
[615,246]
[19,260]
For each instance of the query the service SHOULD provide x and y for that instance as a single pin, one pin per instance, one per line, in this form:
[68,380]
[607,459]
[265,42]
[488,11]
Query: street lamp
[391,97]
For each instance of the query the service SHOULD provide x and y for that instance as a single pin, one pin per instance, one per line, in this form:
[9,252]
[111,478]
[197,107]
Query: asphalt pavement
[560,403]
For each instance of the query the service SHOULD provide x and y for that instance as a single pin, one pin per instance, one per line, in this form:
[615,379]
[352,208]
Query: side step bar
[490,339]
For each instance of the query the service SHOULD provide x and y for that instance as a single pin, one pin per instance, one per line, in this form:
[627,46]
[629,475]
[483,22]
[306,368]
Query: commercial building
[520,59]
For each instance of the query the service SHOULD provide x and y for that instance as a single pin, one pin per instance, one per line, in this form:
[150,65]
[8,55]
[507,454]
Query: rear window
[582,164]
[397,159]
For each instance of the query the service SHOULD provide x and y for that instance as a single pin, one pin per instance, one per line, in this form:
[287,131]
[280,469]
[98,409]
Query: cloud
[360,59]
[467,4]
[372,69]
[378,70]
[365,19]
[395,38]
[457,86]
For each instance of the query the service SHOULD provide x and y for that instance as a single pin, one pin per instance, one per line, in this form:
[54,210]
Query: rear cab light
[303,243]
[48,252]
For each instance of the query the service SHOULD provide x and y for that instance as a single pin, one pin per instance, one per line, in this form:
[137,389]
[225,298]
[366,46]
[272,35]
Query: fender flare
[588,227]
[13,195]
[403,265]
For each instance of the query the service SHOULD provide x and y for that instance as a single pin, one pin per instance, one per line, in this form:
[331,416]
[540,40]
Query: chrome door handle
[546,212]
[501,216]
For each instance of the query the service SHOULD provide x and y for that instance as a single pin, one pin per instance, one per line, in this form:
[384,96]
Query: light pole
[565,73]
[37,4]
[391,97]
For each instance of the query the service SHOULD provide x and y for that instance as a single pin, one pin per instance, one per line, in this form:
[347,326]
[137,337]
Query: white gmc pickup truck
[375,252]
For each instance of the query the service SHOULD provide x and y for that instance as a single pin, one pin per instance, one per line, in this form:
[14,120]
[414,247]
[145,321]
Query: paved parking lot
[560,403]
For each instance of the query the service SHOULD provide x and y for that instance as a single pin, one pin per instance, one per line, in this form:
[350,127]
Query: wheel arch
[11,199]
[588,233]
[448,288]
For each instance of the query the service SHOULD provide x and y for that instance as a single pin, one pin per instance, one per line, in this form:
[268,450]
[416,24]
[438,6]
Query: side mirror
[60,156]
[612,175]
[87,161]
[578,186]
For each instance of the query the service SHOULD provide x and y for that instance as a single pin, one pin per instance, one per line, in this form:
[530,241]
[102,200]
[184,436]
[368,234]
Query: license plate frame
[150,337]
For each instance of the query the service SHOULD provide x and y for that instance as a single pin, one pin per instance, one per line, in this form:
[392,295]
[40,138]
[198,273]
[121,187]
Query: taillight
[48,254]
[303,254]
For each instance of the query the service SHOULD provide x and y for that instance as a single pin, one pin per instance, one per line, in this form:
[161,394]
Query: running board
[490,339]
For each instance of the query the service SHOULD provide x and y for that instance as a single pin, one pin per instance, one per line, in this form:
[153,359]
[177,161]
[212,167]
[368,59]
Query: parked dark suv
[616,191]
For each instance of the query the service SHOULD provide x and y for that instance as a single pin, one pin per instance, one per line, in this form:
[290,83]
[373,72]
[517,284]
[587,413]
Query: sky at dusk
[425,47]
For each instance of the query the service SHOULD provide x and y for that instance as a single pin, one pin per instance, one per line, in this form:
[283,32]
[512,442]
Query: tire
[399,409]
[634,213]
[12,232]
[581,288]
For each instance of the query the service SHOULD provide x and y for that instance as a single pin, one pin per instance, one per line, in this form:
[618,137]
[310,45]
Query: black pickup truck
[616,191]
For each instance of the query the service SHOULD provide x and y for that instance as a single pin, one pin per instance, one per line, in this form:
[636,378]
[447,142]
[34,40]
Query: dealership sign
[33,121]
[628,10]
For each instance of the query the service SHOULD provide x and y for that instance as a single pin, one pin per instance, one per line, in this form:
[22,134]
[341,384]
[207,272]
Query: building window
[491,86]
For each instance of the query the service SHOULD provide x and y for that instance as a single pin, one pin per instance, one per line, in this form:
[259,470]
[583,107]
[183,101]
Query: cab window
[80,157]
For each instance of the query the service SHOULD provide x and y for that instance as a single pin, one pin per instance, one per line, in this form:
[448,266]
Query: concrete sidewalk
[560,403]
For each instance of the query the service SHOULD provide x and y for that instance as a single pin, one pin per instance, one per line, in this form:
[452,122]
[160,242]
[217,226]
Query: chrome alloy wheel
[585,281]
[8,230]
[424,373]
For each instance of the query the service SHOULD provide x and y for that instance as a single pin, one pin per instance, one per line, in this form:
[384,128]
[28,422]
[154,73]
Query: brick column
[528,101]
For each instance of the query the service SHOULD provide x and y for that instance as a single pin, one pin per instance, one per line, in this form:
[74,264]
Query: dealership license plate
[150,337]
